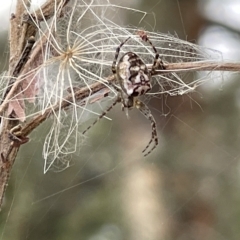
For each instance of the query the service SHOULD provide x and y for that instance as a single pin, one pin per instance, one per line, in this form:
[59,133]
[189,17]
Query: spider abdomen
[132,79]
[133,75]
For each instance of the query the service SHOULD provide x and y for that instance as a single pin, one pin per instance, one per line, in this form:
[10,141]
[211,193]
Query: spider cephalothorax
[133,79]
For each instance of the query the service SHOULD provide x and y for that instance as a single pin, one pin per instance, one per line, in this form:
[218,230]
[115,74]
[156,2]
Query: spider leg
[157,63]
[103,114]
[147,113]
[116,55]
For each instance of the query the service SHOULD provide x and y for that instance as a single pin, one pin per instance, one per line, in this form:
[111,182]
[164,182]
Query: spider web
[79,51]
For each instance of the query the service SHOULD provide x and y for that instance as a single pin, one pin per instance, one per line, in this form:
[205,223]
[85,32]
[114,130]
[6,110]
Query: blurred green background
[188,188]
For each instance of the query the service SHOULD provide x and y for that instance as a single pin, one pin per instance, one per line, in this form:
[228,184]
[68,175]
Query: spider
[133,79]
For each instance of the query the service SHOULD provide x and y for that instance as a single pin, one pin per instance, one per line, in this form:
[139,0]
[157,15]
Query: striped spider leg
[134,79]
[147,113]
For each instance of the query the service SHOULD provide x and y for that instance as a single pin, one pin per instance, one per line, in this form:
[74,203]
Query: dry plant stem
[19,33]
[29,29]
[79,95]
[85,92]
[5,143]
[33,57]
[15,37]
[20,64]
[48,9]
[201,66]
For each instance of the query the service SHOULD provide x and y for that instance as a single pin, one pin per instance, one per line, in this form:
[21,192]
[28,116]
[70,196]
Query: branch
[20,31]
[200,66]
[86,92]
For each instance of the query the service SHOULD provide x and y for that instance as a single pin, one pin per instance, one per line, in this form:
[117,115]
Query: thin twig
[200,66]
[85,92]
